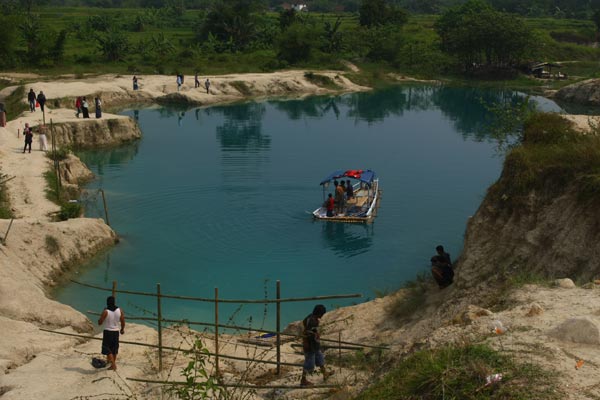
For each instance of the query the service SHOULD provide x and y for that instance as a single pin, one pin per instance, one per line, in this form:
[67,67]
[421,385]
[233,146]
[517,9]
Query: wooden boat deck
[356,208]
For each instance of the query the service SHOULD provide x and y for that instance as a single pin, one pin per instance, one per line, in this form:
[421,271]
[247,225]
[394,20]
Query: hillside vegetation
[243,36]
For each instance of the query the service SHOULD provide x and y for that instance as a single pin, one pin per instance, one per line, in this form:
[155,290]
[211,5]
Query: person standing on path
[78,106]
[196,81]
[28,134]
[85,108]
[2,115]
[135,83]
[41,98]
[179,82]
[207,85]
[31,97]
[111,317]
[98,105]
[43,139]
[311,345]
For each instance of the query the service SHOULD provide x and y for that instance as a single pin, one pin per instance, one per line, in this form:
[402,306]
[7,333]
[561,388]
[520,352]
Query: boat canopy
[362,175]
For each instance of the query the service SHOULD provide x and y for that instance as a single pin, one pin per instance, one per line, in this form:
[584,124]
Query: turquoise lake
[220,197]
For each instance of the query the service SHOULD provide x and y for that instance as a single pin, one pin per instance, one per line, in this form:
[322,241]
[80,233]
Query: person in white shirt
[112,317]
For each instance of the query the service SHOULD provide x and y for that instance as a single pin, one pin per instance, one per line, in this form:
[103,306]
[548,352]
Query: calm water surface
[219,197]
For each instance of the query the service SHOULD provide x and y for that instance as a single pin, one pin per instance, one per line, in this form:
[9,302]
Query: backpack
[98,362]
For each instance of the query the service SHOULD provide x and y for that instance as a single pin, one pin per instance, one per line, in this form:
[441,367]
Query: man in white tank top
[112,317]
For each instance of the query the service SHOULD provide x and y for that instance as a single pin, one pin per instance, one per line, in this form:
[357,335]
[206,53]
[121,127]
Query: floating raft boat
[361,206]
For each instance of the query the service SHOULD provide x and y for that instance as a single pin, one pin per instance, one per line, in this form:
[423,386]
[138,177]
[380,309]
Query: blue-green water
[218,197]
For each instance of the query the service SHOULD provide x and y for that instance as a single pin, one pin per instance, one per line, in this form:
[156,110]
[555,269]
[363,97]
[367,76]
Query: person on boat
[339,196]
[329,205]
[441,268]
[311,345]
[349,190]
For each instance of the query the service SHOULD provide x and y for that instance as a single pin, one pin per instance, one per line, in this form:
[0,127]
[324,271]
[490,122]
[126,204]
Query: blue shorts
[313,358]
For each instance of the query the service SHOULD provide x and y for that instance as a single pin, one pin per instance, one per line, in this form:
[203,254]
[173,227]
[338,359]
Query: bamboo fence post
[217,331]
[56,165]
[159,312]
[8,230]
[340,350]
[105,206]
[114,288]
[278,327]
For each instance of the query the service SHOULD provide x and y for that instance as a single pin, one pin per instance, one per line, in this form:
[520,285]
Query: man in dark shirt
[41,98]
[311,345]
[441,268]
[31,97]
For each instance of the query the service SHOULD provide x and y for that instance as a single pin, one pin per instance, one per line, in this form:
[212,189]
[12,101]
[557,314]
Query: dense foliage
[247,35]
[479,35]
[530,8]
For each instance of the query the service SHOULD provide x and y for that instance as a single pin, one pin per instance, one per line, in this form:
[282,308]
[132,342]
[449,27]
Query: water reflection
[242,127]
[313,107]
[347,240]
[114,156]
[467,108]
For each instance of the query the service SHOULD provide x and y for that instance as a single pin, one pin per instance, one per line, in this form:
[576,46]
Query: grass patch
[414,296]
[5,208]
[321,80]
[551,158]
[460,373]
[14,104]
[242,87]
[59,154]
[359,360]
[62,195]
[70,210]
[52,246]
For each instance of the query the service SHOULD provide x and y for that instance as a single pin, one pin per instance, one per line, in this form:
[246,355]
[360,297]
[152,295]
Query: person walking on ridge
[98,106]
[207,85]
[78,106]
[31,97]
[41,98]
[111,317]
[85,108]
[311,345]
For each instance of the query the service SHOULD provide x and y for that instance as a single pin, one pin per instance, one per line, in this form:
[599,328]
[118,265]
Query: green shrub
[413,297]
[59,154]
[14,103]
[70,210]
[460,373]
[548,128]
[51,244]
[297,43]
[552,158]
[5,209]
[321,80]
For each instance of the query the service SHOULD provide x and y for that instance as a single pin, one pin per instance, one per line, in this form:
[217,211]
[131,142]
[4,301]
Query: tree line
[529,8]
[467,37]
